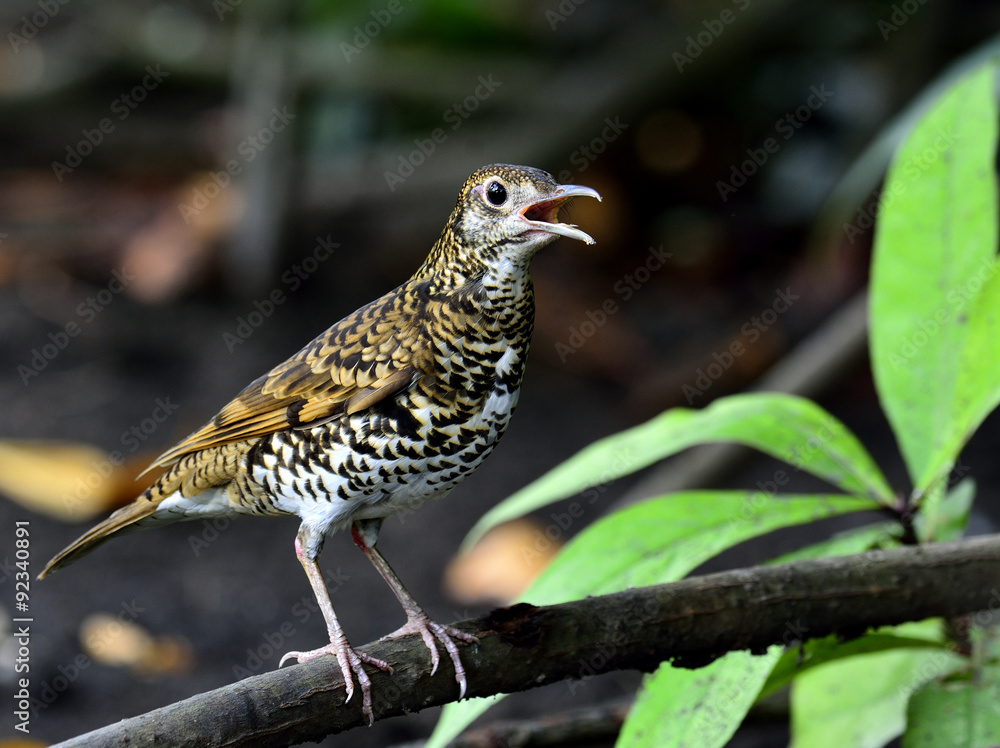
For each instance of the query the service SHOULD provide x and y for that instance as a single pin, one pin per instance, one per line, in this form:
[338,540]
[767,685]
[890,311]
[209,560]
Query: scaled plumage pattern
[392,406]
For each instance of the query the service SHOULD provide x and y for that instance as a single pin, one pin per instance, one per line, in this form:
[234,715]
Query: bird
[392,406]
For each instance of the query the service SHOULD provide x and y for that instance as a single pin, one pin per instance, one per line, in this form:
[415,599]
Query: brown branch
[521,647]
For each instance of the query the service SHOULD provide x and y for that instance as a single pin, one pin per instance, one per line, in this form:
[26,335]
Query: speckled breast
[395,455]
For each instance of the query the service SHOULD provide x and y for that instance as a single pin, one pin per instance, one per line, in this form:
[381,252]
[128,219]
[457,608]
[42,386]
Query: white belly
[379,483]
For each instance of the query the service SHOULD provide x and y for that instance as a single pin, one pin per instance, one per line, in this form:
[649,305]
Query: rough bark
[690,622]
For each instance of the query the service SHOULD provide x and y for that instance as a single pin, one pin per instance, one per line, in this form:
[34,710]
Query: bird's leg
[350,659]
[365,535]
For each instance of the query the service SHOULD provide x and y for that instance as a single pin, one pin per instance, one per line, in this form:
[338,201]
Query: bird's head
[517,205]
[505,214]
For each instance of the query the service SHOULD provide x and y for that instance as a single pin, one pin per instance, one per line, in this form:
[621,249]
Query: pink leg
[350,659]
[365,535]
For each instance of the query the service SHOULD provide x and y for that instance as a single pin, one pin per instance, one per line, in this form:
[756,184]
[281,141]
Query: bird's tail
[119,523]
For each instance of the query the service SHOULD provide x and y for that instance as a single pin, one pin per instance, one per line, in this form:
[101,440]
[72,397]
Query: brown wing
[366,357]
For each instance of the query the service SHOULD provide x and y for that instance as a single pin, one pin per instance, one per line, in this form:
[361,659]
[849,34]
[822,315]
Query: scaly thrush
[392,406]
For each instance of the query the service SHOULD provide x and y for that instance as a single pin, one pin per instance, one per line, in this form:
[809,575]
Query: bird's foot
[351,665]
[419,623]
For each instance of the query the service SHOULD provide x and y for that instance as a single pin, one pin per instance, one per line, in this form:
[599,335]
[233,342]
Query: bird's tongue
[544,214]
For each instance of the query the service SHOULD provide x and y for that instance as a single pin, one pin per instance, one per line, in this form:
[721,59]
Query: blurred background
[191,191]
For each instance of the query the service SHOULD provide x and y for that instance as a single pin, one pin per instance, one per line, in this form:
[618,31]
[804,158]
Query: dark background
[653,104]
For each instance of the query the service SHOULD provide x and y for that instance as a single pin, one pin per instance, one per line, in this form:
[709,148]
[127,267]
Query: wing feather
[363,359]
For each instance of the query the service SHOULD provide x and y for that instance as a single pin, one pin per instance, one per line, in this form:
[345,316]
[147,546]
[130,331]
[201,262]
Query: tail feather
[119,523]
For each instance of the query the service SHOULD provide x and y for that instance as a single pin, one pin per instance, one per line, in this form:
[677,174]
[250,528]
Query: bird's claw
[429,631]
[351,663]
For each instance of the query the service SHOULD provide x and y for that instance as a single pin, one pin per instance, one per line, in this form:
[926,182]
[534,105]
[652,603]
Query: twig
[571,727]
[809,369]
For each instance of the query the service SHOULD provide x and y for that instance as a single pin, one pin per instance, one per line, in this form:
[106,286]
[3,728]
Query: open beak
[543,215]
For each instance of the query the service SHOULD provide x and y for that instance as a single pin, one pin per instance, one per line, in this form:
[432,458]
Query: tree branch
[690,622]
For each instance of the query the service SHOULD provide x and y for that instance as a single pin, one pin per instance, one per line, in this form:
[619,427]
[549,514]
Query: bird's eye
[496,193]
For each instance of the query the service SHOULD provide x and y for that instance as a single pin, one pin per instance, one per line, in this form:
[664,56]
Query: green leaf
[458,715]
[815,652]
[935,246]
[818,652]
[790,428]
[847,543]
[930,505]
[956,714]
[868,169]
[701,708]
[725,690]
[950,515]
[657,541]
[977,392]
[860,701]
[962,709]
[670,536]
